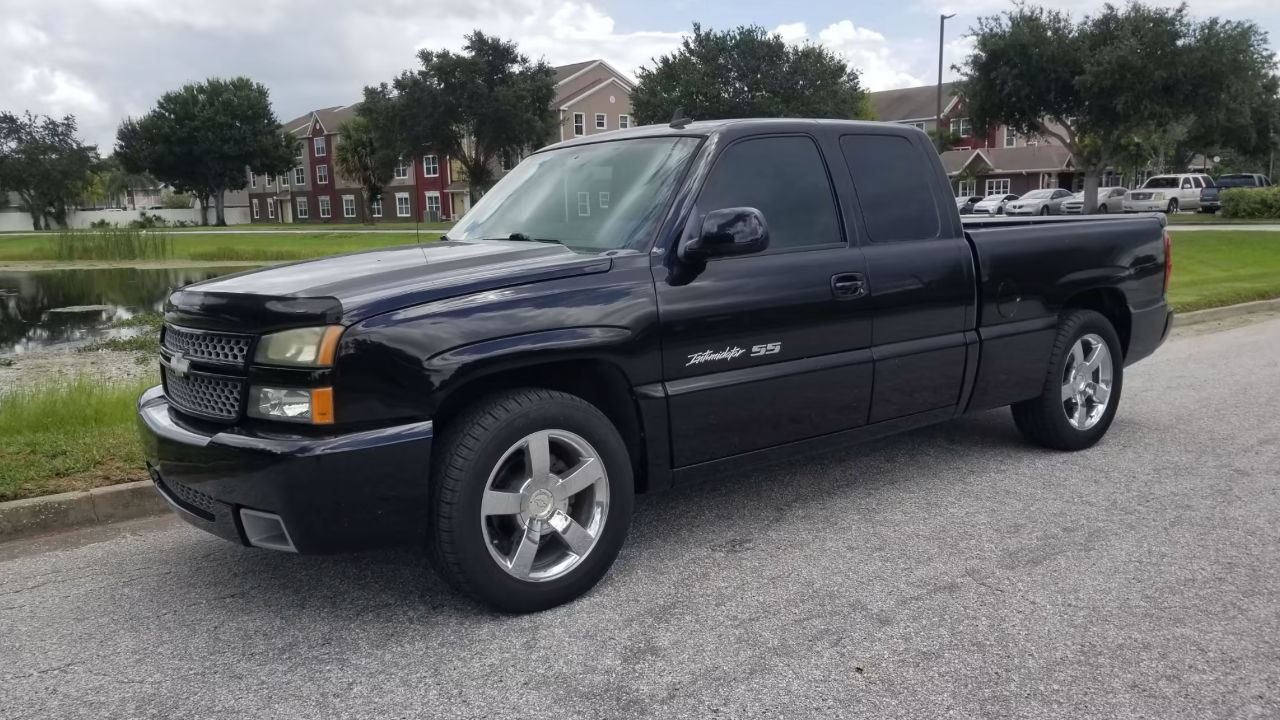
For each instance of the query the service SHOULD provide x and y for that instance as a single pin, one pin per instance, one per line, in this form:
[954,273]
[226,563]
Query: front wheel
[1044,210]
[1173,207]
[531,499]
[1102,209]
[1082,389]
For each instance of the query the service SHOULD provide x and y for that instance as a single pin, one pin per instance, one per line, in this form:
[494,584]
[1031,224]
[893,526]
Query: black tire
[1102,209]
[1173,207]
[1043,420]
[1044,210]
[469,450]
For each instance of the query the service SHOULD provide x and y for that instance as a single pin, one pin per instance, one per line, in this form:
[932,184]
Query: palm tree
[365,158]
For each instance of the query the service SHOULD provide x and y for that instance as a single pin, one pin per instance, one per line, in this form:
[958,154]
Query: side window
[893,188]
[1186,183]
[782,177]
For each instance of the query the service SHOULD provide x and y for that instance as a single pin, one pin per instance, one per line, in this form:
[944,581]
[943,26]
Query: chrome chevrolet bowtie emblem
[179,365]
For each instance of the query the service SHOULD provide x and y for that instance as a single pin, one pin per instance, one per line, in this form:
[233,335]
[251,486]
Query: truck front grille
[205,346]
[1140,196]
[213,396]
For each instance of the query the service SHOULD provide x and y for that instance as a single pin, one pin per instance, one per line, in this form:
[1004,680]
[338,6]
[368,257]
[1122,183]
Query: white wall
[11,220]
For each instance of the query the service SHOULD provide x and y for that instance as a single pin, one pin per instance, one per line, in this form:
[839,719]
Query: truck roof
[738,127]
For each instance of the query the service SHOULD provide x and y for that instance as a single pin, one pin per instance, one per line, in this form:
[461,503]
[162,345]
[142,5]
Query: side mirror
[731,231]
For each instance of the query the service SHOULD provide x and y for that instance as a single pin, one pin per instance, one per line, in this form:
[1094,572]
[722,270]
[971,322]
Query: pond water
[64,308]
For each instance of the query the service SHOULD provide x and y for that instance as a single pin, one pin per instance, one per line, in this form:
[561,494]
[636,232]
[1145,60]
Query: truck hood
[349,288]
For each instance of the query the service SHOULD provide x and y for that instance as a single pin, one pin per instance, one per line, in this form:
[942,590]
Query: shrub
[101,224]
[1251,203]
[146,222]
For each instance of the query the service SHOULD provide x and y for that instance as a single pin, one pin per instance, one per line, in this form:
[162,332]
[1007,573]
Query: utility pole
[937,132]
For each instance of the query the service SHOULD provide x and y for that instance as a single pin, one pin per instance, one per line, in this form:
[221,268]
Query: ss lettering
[767,349]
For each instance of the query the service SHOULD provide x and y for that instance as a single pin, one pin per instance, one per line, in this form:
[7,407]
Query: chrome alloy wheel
[1086,382]
[545,505]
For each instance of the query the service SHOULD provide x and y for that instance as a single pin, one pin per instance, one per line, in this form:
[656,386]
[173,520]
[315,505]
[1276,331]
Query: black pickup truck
[623,313]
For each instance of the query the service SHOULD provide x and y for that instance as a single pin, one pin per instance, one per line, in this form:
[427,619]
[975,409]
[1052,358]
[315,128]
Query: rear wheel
[1102,208]
[1173,207]
[531,499]
[1082,389]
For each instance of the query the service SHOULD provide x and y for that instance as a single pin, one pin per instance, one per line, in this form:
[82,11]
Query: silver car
[1110,199]
[993,204]
[1046,201]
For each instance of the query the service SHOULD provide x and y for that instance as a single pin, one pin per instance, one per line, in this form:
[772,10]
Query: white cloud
[880,66]
[61,93]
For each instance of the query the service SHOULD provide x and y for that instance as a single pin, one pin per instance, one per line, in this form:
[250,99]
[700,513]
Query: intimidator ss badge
[731,353]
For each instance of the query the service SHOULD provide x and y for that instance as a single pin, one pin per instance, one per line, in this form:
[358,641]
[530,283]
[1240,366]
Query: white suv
[1168,193]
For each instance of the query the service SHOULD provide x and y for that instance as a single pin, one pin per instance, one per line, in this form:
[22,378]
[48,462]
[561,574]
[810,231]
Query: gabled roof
[564,72]
[914,103]
[330,119]
[591,90]
[572,80]
[1031,158]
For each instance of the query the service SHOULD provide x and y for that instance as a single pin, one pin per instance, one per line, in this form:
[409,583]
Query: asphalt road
[951,572]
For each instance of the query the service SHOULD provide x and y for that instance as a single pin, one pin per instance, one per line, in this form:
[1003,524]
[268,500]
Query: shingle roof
[1032,158]
[914,103]
[332,118]
[564,72]
[953,161]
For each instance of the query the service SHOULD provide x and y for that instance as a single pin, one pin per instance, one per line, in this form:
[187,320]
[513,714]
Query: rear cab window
[896,197]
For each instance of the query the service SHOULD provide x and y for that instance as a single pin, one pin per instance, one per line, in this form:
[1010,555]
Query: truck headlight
[302,405]
[301,347]
[1157,196]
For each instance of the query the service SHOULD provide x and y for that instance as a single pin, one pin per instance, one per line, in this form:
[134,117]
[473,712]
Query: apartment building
[591,97]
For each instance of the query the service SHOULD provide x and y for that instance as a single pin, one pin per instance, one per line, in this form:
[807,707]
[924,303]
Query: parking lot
[950,572]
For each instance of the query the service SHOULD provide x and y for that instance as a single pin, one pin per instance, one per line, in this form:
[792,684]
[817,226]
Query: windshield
[588,197]
[1037,195]
[1162,182]
[1236,181]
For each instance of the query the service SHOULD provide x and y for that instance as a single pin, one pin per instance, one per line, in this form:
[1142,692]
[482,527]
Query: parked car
[1211,196]
[964,204]
[1110,199]
[1168,193]
[503,395]
[993,204]
[1045,201]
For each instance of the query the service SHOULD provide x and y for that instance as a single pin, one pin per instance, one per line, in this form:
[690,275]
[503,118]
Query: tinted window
[892,179]
[783,178]
[1161,183]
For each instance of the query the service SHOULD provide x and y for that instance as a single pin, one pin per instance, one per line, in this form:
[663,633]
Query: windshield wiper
[525,238]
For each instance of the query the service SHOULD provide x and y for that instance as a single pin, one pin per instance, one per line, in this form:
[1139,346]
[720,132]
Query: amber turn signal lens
[329,345]
[322,405]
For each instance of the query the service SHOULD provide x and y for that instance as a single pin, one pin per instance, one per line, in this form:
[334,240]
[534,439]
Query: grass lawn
[76,435]
[1197,218]
[213,247]
[1221,267]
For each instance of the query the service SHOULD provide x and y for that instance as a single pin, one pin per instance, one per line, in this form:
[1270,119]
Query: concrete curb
[35,516]
[1225,312]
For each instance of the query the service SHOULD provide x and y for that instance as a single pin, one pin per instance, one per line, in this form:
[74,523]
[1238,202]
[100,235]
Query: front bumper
[1146,205]
[334,493]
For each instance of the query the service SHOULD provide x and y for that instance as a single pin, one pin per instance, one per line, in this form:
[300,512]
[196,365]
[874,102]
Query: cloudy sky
[103,60]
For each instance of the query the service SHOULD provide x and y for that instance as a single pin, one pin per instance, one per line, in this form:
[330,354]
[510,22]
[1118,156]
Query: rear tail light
[1168,261]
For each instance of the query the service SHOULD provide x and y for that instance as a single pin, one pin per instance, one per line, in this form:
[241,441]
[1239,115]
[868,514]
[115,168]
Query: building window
[402,205]
[433,206]
[304,212]
[1048,180]
[624,121]
[319,145]
[917,125]
[267,181]
[325,209]
[402,169]
[962,127]
[604,199]
[300,176]
[430,166]
[601,122]
[271,209]
[998,187]
[579,124]
[377,206]
[584,204]
[253,180]
[1010,137]
[322,174]
[254,203]
[348,206]
[967,188]
[283,180]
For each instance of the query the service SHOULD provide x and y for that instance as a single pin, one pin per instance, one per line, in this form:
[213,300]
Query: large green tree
[43,161]
[1098,83]
[747,72]
[476,107]
[365,157]
[203,137]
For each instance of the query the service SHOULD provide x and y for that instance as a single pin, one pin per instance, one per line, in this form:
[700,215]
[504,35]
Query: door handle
[846,286]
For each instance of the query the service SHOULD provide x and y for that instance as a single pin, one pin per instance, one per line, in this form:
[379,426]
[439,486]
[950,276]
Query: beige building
[591,97]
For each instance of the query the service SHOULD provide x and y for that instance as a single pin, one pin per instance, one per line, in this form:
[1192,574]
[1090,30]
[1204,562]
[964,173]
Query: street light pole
[937,132]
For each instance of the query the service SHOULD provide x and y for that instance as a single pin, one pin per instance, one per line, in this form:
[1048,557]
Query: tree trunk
[368,206]
[204,210]
[220,208]
[1092,180]
[37,219]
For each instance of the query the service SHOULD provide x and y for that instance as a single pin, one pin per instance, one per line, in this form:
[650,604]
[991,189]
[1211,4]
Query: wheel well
[1110,303]
[598,382]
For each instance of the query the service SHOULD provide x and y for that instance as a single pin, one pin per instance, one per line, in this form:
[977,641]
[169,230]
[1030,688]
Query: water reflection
[50,308]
